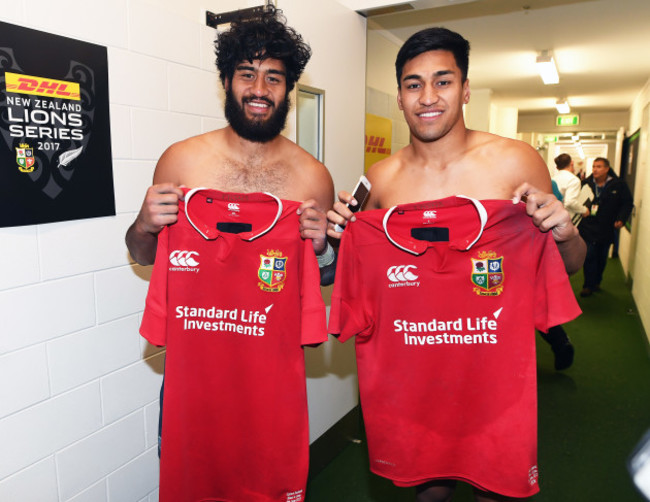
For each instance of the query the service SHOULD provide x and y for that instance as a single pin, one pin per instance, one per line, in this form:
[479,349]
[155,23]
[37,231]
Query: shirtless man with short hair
[249,155]
[446,159]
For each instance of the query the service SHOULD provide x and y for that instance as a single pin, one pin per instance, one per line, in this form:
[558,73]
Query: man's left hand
[313,225]
[548,213]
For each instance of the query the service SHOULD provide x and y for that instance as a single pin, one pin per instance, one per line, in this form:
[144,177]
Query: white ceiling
[601,47]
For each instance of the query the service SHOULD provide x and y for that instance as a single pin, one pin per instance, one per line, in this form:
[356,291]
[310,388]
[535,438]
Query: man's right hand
[340,214]
[160,208]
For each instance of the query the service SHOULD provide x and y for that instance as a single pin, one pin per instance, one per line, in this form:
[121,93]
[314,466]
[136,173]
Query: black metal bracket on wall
[213,20]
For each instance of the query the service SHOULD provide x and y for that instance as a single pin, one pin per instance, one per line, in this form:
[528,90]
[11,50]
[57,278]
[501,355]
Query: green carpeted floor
[590,416]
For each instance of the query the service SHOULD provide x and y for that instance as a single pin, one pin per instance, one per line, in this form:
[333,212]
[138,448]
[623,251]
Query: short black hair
[602,159]
[562,161]
[434,39]
[266,36]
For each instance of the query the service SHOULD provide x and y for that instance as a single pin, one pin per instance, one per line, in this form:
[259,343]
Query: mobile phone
[360,193]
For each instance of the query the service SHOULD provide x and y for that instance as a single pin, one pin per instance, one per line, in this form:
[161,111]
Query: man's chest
[428,186]
[230,176]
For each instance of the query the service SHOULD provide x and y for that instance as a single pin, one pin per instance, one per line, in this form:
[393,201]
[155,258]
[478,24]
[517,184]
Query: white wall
[638,243]
[78,385]
[381,91]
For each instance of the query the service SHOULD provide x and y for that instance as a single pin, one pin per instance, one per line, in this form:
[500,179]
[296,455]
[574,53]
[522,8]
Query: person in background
[568,191]
[569,187]
[610,209]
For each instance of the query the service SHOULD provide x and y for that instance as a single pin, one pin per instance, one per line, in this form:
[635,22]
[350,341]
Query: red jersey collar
[208,229]
[417,247]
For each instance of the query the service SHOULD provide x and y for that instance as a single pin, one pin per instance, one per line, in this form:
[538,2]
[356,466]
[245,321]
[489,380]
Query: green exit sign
[550,139]
[567,120]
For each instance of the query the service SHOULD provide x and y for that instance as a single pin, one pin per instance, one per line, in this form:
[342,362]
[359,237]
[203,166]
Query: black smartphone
[360,193]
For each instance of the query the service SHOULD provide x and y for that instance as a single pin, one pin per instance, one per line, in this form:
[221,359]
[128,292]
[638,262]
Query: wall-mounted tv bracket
[213,20]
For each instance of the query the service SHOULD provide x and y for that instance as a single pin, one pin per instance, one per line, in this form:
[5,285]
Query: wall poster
[378,139]
[55,145]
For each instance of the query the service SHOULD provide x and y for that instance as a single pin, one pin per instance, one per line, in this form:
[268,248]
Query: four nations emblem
[487,274]
[25,158]
[272,272]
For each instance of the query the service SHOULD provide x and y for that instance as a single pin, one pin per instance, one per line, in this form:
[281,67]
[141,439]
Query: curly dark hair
[263,37]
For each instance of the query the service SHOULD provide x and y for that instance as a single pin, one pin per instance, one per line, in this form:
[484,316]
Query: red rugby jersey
[234,310]
[445,337]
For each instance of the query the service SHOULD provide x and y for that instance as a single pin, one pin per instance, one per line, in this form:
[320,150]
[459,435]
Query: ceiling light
[546,68]
[562,106]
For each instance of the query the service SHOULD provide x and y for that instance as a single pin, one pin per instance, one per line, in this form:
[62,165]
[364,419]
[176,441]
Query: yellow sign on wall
[379,131]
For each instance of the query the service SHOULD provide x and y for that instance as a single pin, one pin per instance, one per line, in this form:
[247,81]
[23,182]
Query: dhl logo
[39,86]
[375,144]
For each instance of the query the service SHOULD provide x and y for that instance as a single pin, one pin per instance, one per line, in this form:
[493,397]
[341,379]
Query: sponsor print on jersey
[233,208]
[487,274]
[402,276]
[184,261]
[272,272]
[295,496]
[25,158]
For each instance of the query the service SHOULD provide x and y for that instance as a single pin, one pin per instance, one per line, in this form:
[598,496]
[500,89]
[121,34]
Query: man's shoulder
[310,179]
[501,152]
[507,162]
[197,145]
[292,152]
[390,163]
[181,159]
[498,145]
[300,160]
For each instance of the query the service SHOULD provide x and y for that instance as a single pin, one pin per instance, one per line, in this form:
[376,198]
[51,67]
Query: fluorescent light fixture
[562,106]
[546,68]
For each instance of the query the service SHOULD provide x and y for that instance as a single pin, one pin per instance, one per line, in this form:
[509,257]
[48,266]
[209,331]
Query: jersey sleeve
[154,320]
[313,319]
[555,302]
[347,313]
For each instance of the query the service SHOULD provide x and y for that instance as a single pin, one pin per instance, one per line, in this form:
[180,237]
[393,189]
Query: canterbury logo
[233,206]
[430,214]
[401,273]
[183,258]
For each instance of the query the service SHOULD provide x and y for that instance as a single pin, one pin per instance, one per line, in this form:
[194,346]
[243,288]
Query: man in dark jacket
[610,209]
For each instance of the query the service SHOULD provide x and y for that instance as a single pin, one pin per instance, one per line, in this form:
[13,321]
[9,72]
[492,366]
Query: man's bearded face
[256,129]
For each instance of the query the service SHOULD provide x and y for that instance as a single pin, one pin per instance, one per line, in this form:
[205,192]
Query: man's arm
[626,205]
[549,214]
[313,220]
[160,208]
